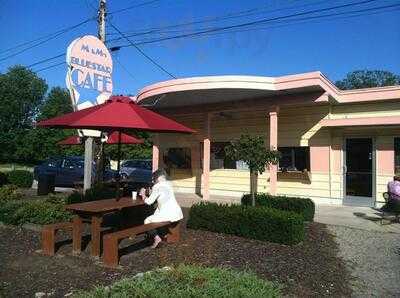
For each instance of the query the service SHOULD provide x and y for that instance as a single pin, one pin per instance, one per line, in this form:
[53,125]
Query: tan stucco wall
[297,126]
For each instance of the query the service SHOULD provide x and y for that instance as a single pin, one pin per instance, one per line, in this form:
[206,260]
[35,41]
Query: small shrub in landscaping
[303,206]
[20,178]
[260,223]
[75,197]
[3,179]
[97,192]
[35,212]
[9,193]
[189,281]
[100,192]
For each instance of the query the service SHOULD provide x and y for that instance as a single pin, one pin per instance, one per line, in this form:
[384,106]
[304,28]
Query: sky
[334,46]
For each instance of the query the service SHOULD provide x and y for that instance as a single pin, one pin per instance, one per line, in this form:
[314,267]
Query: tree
[367,79]
[21,94]
[252,150]
[41,143]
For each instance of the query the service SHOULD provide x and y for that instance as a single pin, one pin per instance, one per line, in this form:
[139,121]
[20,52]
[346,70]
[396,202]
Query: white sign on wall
[89,76]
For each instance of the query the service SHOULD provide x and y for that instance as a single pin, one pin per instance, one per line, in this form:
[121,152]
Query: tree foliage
[252,150]
[368,78]
[21,94]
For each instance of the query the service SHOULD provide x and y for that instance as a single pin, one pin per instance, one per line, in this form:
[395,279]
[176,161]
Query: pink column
[273,144]
[206,158]
[156,153]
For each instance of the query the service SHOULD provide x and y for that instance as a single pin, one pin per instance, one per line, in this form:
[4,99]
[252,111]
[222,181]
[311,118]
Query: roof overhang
[365,121]
[219,89]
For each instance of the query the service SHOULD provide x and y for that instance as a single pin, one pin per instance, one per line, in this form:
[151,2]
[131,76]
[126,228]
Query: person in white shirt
[167,209]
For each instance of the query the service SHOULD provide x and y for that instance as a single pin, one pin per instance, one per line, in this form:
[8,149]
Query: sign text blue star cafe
[89,76]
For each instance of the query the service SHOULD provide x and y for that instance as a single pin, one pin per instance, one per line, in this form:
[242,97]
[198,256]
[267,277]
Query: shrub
[189,281]
[9,193]
[36,212]
[100,192]
[303,206]
[75,197]
[3,179]
[20,178]
[260,223]
[97,192]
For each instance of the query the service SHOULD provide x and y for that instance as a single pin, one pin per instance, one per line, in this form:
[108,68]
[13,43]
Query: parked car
[137,171]
[67,170]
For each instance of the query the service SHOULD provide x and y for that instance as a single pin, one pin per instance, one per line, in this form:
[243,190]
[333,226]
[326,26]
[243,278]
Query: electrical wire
[133,6]
[356,13]
[47,39]
[142,52]
[259,22]
[48,67]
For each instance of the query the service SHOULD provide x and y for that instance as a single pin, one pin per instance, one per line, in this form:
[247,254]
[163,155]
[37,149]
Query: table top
[102,206]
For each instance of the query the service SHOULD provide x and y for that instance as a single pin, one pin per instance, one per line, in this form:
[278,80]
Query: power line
[46,60]
[355,13]
[51,66]
[124,68]
[257,22]
[133,6]
[222,30]
[142,52]
[47,39]
[239,14]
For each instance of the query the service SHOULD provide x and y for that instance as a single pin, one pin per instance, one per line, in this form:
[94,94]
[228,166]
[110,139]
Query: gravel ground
[373,258]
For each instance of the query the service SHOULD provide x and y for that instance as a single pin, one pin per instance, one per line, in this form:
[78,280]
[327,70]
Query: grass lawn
[188,281]
[6,167]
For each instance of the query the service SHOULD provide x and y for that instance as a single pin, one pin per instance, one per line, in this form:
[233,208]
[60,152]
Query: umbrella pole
[119,165]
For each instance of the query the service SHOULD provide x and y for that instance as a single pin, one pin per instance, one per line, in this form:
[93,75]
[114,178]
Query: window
[73,164]
[178,158]
[294,158]
[218,158]
[53,163]
[397,156]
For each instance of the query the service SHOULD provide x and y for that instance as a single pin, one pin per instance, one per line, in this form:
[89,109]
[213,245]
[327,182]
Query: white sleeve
[153,196]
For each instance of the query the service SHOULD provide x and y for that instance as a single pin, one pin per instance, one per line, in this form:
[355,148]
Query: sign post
[89,81]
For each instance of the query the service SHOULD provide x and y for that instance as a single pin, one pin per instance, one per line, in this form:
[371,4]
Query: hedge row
[35,212]
[20,178]
[259,223]
[303,206]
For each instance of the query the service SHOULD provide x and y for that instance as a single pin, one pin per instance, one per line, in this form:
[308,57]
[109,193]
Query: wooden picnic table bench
[111,240]
[94,211]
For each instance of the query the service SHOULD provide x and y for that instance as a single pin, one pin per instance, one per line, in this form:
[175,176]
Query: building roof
[217,89]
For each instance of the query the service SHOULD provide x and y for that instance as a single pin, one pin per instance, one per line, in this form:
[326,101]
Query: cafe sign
[89,75]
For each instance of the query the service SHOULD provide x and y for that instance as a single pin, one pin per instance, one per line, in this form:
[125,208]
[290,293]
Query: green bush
[35,212]
[9,193]
[75,197]
[97,192]
[3,179]
[303,206]
[189,281]
[20,178]
[100,192]
[260,223]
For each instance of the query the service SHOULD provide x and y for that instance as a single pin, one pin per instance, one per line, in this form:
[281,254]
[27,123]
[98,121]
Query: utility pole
[89,142]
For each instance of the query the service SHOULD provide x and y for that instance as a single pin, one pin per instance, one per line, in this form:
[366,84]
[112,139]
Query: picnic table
[94,212]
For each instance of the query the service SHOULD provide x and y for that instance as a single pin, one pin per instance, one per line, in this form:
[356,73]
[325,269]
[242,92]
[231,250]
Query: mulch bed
[308,269]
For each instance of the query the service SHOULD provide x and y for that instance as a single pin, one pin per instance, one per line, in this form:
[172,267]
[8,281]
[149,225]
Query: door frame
[347,200]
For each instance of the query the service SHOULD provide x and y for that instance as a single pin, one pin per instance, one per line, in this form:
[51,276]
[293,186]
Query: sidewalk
[363,218]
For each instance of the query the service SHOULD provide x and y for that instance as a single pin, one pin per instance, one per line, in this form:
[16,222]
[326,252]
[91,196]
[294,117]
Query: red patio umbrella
[116,114]
[112,139]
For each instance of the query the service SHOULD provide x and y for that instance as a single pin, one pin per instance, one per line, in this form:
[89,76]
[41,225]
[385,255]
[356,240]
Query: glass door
[359,172]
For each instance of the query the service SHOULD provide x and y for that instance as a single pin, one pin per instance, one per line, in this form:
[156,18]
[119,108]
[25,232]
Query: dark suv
[67,170]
